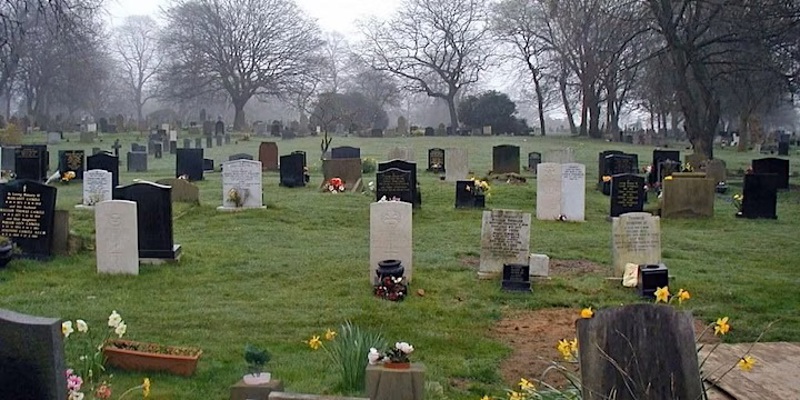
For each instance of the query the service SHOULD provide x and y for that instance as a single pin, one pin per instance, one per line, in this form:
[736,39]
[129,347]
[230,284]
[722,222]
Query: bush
[368,165]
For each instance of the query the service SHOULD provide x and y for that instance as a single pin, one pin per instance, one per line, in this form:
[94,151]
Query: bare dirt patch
[575,267]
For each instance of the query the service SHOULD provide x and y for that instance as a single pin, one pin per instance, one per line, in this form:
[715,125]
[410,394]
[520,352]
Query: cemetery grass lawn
[275,277]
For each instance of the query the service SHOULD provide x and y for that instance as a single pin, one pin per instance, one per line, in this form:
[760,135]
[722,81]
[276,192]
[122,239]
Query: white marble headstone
[548,191]
[165,127]
[390,236]
[91,127]
[456,164]
[117,235]
[173,136]
[573,191]
[635,238]
[562,156]
[244,177]
[97,187]
[505,239]
[404,153]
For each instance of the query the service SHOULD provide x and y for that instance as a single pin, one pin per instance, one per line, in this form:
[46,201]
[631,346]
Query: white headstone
[165,127]
[404,153]
[173,136]
[548,191]
[390,236]
[505,239]
[97,187]
[91,127]
[487,130]
[573,191]
[117,235]
[562,156]
[539,265]
[241,178]
[635,238]
[456,164]
[53,137]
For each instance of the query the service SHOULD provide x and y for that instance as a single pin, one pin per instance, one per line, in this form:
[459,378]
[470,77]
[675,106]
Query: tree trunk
[539,103]
[451,106]
[562,85]
[584,114]
[238,119]
[744,132]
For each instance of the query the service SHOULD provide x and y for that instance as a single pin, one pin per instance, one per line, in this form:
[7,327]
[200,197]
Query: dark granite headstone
[601,163]
[534,159]
[658,157]
[227,138]
[465,195]
[208,164]
[105,161]
[302,153]
[760,196]
[345,152]
[159,150]
[189,162]
[208,128]
[32,361]
[404,166]
[783,148]
[436,160]
[620,163]
[394,183]
[219,128]
[137,161]
[209,142]
[667,168]
[516,278]
[198,143]
[627,194]
[773,165]
[173,146]
[505,159]
[429,131]
[187,143]
[153,218]
[376,133]
[219,141]
[8,158]
[72,160]
[31,162]
[240,156]
[292,170]
[27,212]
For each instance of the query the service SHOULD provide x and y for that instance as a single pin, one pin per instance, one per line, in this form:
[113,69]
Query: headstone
[137,162]
[516,278]
[345,152]
[376,133]
[154,220]
[209,142]
[268,155]
[436,161]
[621,357]
[227,138]
[189,162]
[760,196]
[8,159]
[394,184]
[534,158]
[303,155]
[71,160]
[573,191]
[627,194]
[505,239]
[403,166]
[772,165]
[32,361]
[87,137]
[31,161]
[240,156]
[219,128]
[208,164]
[117,244]
[60,233]
[695,159]
[401,153]
[97,187]
[457,161]
[107,162]
[487,130]
[116,148]
[347,169]
[716,170]
[53,137]
[602,164]
[429,131]
[548,191]
[540,265]
[182,191]
[465,195]
[26,216]
[562,156]
[292,170]
[616,164]
[390,228]
[688,197]
[187,143]
[92,128]
[241,182]
[636,239]
[667,168]
[96,150]
[505,159]
[208,128]
[219,141]
[783,148]
[173,146]
[198,143]
[660,156]
[173,136]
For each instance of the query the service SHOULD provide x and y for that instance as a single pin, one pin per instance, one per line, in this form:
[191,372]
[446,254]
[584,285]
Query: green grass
[274,277]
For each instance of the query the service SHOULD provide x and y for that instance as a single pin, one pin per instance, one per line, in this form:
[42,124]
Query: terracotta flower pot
[139,356]
[397,365]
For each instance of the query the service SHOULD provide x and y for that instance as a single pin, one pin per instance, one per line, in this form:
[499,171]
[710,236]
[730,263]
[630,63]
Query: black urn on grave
[393,268]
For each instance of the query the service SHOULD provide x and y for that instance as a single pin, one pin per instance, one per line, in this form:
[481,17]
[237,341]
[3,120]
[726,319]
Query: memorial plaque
[245,178]
[292,170]
[31,162]
[516,278]
[105,161]
[394,184]
[345,152]
[636,239]
[627,194]
[154,219]
[505,159]
[436,160]
[776,166]
[505,239]
[72,160]
[27,215]
[189,162]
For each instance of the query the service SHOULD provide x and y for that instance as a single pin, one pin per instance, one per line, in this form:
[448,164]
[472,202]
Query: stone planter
[257,379]
[138,356]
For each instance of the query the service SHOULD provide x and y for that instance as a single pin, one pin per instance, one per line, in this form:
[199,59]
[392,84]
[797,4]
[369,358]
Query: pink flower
[74,382]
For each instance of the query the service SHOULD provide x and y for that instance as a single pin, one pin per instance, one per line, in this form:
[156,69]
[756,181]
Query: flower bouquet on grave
[481,187]
[395,357]
[238,196]
[391,288]
[335,185]
[67,176]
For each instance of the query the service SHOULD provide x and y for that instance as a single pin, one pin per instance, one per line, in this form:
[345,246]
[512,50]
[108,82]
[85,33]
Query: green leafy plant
[368,165]
[347,351]
[256,358]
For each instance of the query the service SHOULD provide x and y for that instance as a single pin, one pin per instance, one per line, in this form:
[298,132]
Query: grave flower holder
[139,356]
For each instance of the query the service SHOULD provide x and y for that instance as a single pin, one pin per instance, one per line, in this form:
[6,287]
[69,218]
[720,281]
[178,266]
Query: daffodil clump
[526,390]
[88,377]
[347,351]
[568,349]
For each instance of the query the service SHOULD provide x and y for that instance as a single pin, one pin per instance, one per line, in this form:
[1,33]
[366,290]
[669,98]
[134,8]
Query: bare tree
[245,48]
[436,47]
[335,52]
[135,44]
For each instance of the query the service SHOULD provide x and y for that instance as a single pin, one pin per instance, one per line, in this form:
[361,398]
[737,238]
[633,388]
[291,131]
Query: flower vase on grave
[392,268]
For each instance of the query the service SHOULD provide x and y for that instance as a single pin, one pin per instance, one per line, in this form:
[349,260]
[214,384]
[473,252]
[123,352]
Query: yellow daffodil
[514,395]
[564,349]
[330,335]
[66,328]
[721,327]
[146,387]
[662,294]
[314,342]
[485,397]
[573,346]
[669,178]
[525,384]
[587,313]
[683,295]
[746,363]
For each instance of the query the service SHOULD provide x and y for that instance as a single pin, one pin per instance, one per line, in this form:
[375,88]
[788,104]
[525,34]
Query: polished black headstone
[436,160]
[534,159]
[31,162]
[27,214]
[505,159]
[72,160]
[465,194]
[189,162]
[240,156]
[292,170]
[404,166]
[773,165]
[760,196]
[137,161]
[208,164]
[153,218]
[660,156]
[627,194]
[516,278]
[601,162]
[219,128]
[105,161]
[394,183]
[302,153]
[8,158]
[345,152]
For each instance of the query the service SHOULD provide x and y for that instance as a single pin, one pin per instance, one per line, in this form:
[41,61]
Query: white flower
[82,326]
[374,357]
[114,319]
[75,395]
[404,347]
[121,329]
[66,328]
